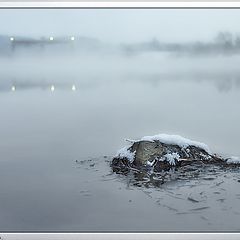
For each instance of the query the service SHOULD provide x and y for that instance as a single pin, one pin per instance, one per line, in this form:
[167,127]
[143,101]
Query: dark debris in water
[199,209]
[193,200]
[195,171]
[196,190]
[149,179]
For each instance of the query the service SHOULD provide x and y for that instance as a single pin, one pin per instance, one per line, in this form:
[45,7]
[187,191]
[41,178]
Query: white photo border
[120,235]
[136,5]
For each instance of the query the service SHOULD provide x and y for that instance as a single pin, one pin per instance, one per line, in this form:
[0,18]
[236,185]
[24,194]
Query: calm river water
[56,146]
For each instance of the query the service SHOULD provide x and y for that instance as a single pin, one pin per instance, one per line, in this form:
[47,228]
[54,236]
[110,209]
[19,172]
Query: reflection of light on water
[72,38]
[52,88]
[73,87]
[51,38]
[11,38]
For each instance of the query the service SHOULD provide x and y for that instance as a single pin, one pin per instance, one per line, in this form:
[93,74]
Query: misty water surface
[56,146]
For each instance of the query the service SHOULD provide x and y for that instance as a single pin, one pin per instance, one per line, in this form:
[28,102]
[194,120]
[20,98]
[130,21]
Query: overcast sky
[116,25]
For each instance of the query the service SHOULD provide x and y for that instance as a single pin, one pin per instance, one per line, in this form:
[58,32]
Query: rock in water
[163,152]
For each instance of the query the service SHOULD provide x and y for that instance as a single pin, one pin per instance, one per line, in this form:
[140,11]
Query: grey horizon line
[234,35]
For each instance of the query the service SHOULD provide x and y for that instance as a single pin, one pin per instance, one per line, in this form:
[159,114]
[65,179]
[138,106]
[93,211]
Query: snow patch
[235,160]
[206,157]
[176,140]
[150,164]
[171,158]
[126,153]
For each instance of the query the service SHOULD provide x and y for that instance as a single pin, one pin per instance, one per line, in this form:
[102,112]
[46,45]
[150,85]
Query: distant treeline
[224,43]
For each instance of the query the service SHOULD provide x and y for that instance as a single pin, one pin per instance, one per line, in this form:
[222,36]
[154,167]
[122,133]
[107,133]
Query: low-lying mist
[42,70]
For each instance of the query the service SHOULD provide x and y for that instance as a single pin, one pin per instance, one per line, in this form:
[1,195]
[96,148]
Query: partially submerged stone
[163,152]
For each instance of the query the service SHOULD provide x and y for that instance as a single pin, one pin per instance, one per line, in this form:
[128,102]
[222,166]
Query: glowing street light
[11,39]
[13,88]
[51,38]
[73,88]
[72,38]
[52,88]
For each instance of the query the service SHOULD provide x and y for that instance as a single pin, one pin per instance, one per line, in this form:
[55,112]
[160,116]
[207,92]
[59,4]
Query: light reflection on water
[223,82]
